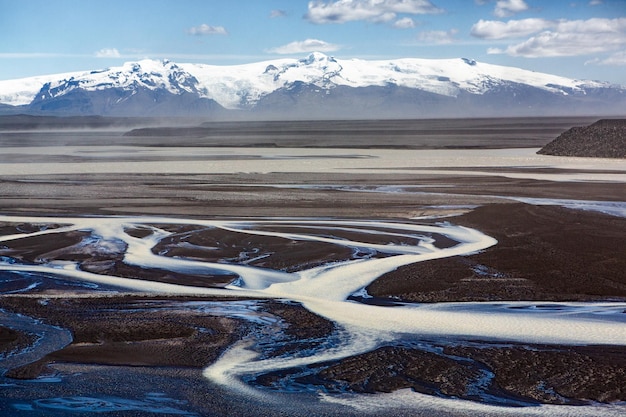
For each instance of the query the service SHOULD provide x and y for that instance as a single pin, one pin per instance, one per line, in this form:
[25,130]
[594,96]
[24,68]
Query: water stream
[331,290]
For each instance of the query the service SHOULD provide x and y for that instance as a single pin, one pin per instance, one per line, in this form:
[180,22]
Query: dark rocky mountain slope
[602,139]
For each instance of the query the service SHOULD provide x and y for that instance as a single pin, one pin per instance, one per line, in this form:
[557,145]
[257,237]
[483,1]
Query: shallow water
[328,291]
[334,290]
[54,160]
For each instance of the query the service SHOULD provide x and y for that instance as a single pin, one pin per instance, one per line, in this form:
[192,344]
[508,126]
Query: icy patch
[405,402]
[105,405]
[613,208]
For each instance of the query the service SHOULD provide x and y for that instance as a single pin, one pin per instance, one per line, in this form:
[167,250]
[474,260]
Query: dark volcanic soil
[602,139]
[555,374]
[513,374]
[137,331]
[543,253]
[149,331]
[11,340]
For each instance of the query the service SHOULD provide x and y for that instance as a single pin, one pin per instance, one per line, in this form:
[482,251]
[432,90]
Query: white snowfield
[22,91]
[240,86]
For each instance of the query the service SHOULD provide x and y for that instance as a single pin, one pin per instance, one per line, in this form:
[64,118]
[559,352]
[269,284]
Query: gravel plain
[143,354]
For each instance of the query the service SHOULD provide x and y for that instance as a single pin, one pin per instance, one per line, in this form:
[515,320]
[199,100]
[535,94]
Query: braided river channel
[264,259]
[334,290]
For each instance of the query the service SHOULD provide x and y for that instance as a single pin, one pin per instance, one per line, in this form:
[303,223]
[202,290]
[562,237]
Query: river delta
[352,276]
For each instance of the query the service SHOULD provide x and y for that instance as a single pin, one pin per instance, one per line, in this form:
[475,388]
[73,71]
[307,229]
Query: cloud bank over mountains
[577,38]
[537,37]
[550,38]
[307,45]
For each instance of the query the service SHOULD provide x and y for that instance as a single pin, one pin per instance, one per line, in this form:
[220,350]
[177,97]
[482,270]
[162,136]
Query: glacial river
[335,291]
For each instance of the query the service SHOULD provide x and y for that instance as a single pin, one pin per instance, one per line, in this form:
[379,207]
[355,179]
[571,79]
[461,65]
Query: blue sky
[577,38]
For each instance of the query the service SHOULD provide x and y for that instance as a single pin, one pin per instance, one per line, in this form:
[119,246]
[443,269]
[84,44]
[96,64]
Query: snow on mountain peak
[468,61]
[242,86]
[22,91]
[316,57]
[147,73]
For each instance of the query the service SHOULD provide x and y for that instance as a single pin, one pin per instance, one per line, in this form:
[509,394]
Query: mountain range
[314,87]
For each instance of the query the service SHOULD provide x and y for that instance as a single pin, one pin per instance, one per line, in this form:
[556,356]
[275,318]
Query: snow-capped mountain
[315,86]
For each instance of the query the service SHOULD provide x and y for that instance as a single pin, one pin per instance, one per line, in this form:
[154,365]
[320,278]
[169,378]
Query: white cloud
[278,13]
[341,11]
[494,29]
[437,36]
[308,45]
[552,38]
[552,44]
[616,59]
[596,2]
[404,23]
[205,29]
[574,38]
[506,8]
[108,53]
[616,27]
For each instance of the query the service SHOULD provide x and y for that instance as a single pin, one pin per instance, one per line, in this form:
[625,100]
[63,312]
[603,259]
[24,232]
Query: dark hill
[602,139]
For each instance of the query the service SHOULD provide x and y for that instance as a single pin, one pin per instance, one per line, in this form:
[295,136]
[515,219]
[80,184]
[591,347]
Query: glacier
[314,81]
